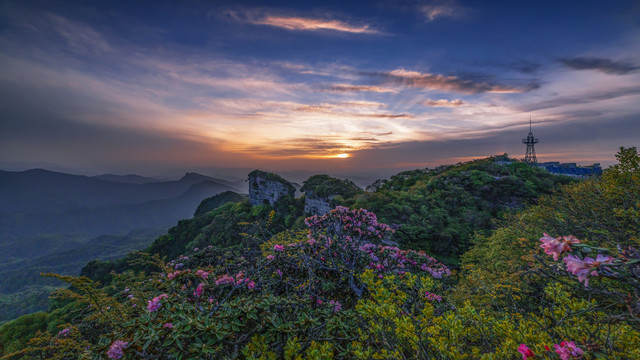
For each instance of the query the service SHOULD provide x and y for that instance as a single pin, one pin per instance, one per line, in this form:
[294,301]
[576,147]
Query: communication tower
[530,141]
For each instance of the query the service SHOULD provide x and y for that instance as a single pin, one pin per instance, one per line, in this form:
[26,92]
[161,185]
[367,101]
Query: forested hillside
[472,261]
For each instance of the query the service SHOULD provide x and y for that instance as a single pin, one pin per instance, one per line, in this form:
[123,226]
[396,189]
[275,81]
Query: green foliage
[325,185]
[599,211]
[29,300]
[218,200]
[439,210]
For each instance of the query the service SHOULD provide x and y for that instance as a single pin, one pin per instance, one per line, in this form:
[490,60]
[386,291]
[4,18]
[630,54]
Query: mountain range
[52,221]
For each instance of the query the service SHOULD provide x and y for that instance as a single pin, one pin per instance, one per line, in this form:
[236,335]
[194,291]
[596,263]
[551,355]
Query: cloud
[308,24]
[604,65]
[356,88]
[443,103]
[582,98]
[341,109]
[78,36]
[526,67]
[445,9]
[441,82]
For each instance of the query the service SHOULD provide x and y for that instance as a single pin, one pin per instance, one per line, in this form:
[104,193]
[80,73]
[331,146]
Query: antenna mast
[530,141]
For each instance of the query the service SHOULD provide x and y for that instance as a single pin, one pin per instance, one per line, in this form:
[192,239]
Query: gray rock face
[317,205]
[264,189]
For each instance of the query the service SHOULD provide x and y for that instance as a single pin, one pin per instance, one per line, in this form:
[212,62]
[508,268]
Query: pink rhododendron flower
[115,351]
[64,332]
[199,290]
[203,274]
[168,326]
[251,284]
[568,350]
[239,275]
[270,257]
[154,304]
[225,279]
[587,267]
[555,247]
[433,297]
[525,351]
[278,248]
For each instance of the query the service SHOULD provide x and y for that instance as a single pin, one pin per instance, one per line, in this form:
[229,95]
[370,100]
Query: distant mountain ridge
[52,221]
[129,178]
[43,191]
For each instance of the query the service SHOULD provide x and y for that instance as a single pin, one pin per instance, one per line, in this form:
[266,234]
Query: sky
[150,87]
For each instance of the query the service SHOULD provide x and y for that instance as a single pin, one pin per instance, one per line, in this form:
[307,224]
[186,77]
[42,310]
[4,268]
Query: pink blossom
[279,272]
[251,285]
[525,351]
[555,247]
[567,350]
[270,257]
[278,248]
[336,305]
[587,267]
[168,326]
[154,304]
[199,290]
[64,332]
[433,297]
[239,277]
[115,351]
[203,274]
[225,279]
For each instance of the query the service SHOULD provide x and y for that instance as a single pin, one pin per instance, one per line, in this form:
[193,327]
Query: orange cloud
[441,82]
[307,24]
[355,88]
[443,103]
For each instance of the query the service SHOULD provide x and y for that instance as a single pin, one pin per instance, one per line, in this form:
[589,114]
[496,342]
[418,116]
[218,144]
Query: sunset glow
[235,85]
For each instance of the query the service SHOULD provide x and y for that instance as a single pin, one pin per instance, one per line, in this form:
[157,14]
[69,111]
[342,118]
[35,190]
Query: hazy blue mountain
[129,179]
[57,222]
[45,191]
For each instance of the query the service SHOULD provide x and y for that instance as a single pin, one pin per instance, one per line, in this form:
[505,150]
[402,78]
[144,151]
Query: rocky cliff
[267,188]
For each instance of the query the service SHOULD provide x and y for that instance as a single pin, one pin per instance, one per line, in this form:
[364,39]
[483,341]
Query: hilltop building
[555,167]
[571,169]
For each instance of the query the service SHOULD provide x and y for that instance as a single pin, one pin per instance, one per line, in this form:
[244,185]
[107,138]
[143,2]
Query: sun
[342,156]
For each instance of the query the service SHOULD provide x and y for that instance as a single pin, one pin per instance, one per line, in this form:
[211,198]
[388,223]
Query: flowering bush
[335,291]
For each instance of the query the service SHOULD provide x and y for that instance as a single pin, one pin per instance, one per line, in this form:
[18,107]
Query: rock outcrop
[317,205]
[267,188]
[320,190]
